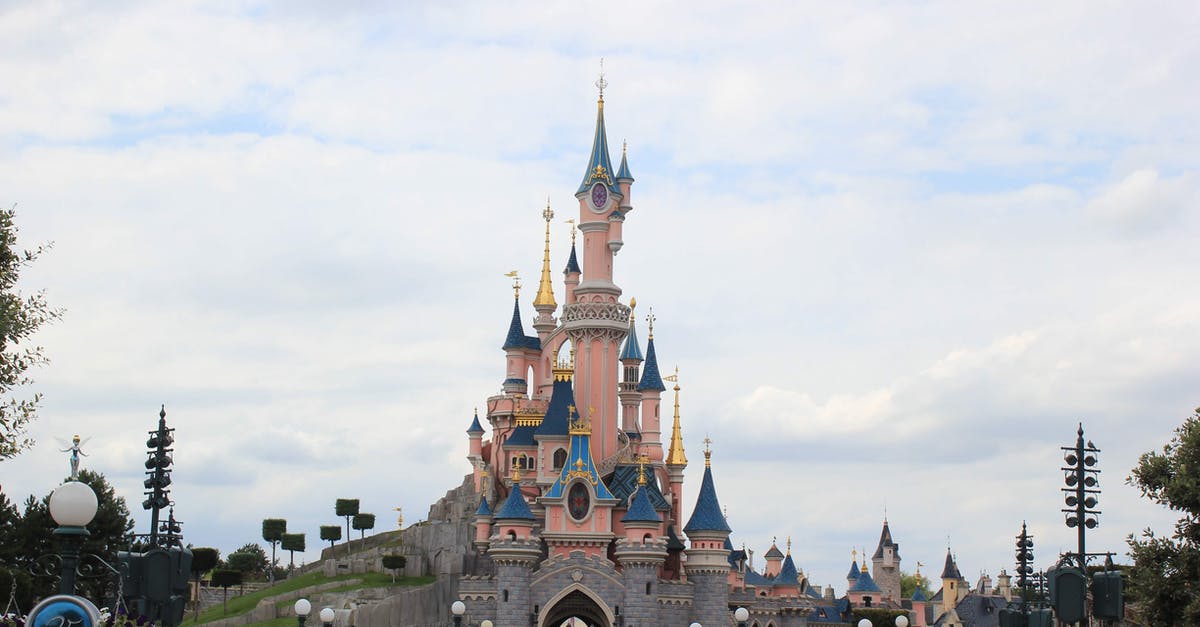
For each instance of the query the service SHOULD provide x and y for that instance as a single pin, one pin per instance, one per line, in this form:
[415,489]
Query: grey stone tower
[708,560]
[885,565]
[514,550]
[641,553]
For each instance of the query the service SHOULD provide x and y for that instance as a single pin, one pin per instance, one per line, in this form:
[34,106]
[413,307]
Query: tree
[20,317]
[1162,579]
[394,563]
[272,531]
[204,559]
[363,522]
[250,559]
[292,542]
[225,578]
[346,508]
[332,533]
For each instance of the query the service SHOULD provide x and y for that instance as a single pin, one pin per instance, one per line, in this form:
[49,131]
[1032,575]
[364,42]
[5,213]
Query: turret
[774,559]
[572,272]
[519,348]
[475,454]
[483,525]
[553,433]
[886,564]
[708,560]
[676,460]
[631,360]
[918,607]
[651,386]
[641,553]
[951,582]
[514,550]
[787,582]
[1004,585]
[852,575]
[625,180]
[544,302]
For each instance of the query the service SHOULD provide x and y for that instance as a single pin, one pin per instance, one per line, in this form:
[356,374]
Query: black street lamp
[72,506]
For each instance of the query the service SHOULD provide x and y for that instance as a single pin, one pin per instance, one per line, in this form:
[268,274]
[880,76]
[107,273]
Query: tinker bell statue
[76,449]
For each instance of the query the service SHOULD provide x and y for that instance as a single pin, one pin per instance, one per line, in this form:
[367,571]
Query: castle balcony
[607,316]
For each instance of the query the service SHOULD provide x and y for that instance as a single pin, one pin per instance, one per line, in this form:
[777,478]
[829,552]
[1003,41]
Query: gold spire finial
[572,223]
[789,544]
[545,293]
[650,322]
[600,82]
[707,451]
[642,469]
[854,555]
[864,558]
[516,282]
[675,454]
[516,477]
[632,306]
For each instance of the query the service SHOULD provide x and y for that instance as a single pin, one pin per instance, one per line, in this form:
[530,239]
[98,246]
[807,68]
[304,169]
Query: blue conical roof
[483,510]
[556,421]
[864,583]
[707,515]
[599,166]
[475,426]
[516,337]
[640,509]
[515,506]
[572,263]
[918,595]
[631,350]
[651,380]
[854,572]
[623,172]
[950,571]
[788,575]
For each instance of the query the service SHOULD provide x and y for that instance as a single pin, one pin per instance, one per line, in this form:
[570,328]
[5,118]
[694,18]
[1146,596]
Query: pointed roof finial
[600,82]
[516,476]
[571,221]
[707,451]
[675,454]
[545,293]
[642,469]
[516,282]
[789,545]
[650,318]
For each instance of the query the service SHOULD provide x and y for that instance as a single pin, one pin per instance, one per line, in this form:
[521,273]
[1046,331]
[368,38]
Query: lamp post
[327,617]
[458,608]
[902,621]
[866,622]
[302,607]
[72,506]
[741,615]
[486,623]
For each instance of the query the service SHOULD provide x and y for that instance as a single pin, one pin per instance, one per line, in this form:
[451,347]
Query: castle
[580,509]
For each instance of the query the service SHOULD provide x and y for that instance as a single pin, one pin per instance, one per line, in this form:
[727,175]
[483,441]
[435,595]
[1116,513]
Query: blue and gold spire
[640,509]
[484,509]
[632,349]
[475,426]
[623,171]
[707,515]
[515,507]
[557,420]
[579,460]
[651,379]
[599,166]
[516,337]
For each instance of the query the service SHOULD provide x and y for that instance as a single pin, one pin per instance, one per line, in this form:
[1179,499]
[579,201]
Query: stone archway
[578,604]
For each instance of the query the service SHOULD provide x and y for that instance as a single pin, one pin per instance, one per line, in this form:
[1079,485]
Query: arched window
[560,458]
[512,535]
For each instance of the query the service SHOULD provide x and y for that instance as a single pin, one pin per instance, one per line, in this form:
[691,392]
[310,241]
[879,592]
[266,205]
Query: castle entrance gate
[575,610]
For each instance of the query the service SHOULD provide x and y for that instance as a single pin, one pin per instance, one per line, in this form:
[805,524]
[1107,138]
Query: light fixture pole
[72,506]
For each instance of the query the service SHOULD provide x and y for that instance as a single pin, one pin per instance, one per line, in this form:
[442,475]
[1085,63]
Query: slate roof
[516,337]
[788,576]
[475,426]
[707,514]
[572,262]
[950,571]
[754,578]
[641,510]
[673,541]
[631,350]
[483,510]
[864,583]
[773,552]
[825,614]
[556,421]
[885,540]
[918,595]
[522,436]
[735,555]
[980,610]
[515,507]
[853,574]
[651,380]
[624,482]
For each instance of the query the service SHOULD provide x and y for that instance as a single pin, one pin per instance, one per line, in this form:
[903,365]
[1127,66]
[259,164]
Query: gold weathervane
[516,282]
[572,223]
[399,517]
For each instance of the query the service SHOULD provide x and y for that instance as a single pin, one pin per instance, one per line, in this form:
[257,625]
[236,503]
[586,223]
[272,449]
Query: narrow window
[506,596]
[647,587]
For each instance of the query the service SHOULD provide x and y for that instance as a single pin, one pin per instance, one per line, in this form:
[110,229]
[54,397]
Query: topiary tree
[225,578]
[332,533]
[292,542]
[272,531]
[394,563]
[204,559]
[363,522]
[346,508]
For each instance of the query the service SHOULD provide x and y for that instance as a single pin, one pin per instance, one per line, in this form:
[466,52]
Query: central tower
[592,318]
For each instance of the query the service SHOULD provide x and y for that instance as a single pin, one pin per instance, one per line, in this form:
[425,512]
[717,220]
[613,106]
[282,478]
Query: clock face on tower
[599,196]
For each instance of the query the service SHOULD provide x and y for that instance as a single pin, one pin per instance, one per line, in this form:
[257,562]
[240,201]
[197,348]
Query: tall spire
[707,515]
[651,379]
[675,455]
[623,173]
[632,350]
[545,293]
[599,166]
[572,261]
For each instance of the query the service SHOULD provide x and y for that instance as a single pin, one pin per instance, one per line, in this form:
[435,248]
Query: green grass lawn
[245,603]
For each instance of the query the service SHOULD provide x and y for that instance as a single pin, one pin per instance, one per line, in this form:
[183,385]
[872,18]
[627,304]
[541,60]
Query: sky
[898,251]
